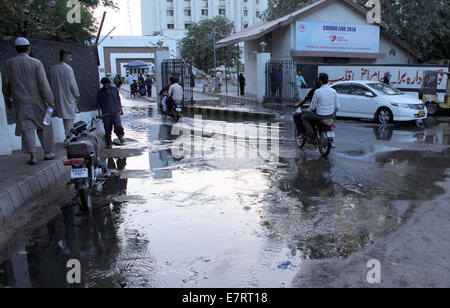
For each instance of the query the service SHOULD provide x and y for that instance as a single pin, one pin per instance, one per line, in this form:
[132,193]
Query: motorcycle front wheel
[324,145]
[86,199]
[299,140]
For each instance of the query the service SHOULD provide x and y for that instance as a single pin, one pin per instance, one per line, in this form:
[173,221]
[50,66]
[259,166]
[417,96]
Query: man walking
[149,84]
[242,84]
[108,100]
[299,82]
[65,90]
[26,86]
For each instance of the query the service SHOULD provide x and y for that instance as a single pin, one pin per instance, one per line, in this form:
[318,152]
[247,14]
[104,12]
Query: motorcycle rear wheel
[86,199]
[324,145]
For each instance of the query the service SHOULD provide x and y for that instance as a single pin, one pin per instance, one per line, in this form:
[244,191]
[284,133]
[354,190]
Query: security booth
[325,32]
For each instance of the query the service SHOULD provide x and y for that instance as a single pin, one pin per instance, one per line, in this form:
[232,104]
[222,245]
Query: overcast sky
[119,18]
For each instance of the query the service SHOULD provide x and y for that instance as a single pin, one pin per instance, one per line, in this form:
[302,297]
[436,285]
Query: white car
[378,101]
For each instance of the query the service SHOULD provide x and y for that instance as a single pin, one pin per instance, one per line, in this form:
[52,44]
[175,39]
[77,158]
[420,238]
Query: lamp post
[213,38]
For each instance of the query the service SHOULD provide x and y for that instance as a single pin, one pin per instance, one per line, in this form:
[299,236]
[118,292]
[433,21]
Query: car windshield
[386,89]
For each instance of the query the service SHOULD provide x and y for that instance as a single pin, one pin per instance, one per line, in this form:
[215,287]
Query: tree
[423,24]
[48,19]
[280,8]
[197,47]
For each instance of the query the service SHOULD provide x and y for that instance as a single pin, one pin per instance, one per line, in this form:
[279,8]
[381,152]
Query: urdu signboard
[312,36]
[403,77]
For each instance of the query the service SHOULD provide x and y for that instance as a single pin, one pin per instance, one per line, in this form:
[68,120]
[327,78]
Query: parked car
[378,101]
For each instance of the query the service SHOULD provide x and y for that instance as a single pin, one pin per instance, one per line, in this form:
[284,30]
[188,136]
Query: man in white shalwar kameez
[65,90]
[25,86]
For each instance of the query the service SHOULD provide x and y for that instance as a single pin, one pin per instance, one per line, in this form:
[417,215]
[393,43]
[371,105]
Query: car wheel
[432,108]
[384,116]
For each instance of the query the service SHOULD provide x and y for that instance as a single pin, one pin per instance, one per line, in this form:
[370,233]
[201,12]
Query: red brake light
[75,162]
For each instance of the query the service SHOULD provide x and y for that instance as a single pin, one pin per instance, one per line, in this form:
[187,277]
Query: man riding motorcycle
[298,115]
[324,105]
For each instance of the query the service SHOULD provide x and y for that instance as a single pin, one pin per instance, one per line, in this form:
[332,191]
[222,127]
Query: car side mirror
[369,94]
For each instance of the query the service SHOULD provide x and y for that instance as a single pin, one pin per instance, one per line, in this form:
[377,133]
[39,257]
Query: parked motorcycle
[323,137]
[88,172]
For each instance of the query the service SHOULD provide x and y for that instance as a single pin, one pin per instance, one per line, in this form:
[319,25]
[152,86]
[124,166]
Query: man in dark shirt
[149,84]
[108,100]
[134,88]
[298,115]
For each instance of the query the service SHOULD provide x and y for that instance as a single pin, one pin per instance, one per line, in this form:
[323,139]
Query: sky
[119,18]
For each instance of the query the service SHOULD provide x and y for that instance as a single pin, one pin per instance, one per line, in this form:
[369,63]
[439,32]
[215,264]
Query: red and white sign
[403,77]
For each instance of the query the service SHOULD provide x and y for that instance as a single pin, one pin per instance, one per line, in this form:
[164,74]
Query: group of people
[324,105]
[141,86]
[210,80]
[27,88]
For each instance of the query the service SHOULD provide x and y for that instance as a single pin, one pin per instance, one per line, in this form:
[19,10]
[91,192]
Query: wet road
[247,211]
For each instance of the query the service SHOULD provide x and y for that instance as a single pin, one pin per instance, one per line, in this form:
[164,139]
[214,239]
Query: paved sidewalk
[21,183]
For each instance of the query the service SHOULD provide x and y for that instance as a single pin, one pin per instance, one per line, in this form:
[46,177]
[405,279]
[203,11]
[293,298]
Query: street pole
[215,60]
[226,80]
[238,69]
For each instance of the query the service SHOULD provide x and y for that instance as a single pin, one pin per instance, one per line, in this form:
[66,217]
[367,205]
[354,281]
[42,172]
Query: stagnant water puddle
[167,223]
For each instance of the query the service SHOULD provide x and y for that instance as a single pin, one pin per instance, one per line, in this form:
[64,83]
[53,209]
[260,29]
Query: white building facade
[173,17]
[117,51]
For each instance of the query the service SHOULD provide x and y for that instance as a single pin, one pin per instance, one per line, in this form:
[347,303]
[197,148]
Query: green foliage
[48,19]
[280,8]
[421,23]
[197,46]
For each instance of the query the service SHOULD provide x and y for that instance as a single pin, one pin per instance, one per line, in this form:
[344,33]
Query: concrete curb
[227,114]
[229,98]
[224,114]
[35,186]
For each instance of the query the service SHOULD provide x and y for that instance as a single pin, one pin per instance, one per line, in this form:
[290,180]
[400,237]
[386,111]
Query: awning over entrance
[137,64]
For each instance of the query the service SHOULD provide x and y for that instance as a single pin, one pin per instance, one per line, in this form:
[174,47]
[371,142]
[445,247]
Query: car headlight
[400,105]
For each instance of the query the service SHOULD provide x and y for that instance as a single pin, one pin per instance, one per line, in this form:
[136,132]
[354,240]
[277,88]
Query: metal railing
[280,81]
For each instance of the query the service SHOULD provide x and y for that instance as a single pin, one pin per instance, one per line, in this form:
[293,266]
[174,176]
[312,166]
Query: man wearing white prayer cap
[21,41]
[25,86]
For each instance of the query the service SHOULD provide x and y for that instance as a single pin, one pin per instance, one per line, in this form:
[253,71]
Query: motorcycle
[88,172]
[323,137]
[176,111]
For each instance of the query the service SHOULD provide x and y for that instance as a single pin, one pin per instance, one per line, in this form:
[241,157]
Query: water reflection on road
[197,222]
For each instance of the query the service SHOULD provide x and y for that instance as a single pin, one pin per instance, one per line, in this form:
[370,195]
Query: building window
[245,12]
[222,12]
[170,26]
[187,26]
[169,12]
[187,12]
[204,12]
[245,26]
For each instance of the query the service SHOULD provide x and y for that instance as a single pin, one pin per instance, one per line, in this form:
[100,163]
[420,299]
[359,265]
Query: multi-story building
[173,17]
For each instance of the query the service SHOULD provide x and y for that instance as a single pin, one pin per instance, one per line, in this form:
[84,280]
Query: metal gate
[280,81]
[183,71]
